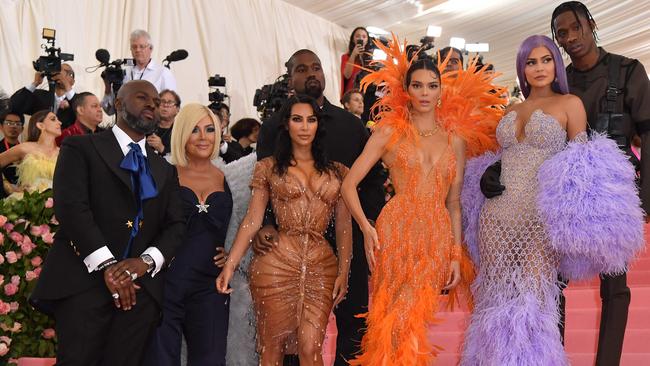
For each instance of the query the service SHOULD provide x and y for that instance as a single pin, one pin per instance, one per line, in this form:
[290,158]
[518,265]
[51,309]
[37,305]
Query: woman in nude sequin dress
[295,286]
[515,319]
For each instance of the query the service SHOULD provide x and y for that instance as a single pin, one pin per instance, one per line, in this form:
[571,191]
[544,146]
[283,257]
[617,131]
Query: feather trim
[471,106]
[472,200]
[591,209]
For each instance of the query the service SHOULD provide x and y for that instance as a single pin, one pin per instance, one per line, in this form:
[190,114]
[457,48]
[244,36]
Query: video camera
[216,97]
[50,64]
[269,98]
[114,73]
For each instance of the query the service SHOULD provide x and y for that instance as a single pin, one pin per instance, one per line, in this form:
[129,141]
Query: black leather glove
[491,181]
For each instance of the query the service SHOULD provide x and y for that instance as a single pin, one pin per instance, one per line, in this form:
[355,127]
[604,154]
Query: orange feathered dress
[414,228]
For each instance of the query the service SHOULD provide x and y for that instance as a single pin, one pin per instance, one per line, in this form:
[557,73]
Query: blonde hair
[186,119]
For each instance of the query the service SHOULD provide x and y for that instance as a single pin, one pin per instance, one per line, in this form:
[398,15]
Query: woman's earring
[439,103]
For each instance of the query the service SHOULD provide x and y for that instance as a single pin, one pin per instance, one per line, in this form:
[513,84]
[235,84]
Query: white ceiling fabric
[623,26]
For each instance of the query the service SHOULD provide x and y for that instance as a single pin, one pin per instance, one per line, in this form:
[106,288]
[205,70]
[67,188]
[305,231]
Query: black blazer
[93,202]
[25,102]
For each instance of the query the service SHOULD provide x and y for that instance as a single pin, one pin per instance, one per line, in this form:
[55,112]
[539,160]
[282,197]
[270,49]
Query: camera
[51,63]
[270,98]
[114,73]
[359,41]
[216,97]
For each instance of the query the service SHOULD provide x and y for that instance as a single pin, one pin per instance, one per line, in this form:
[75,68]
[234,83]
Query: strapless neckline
[537,111]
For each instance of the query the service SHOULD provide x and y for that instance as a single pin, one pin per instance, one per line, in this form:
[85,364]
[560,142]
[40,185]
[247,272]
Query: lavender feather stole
[472,200]
[589,204]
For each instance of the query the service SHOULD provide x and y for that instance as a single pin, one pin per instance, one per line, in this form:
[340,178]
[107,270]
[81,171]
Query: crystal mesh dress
[515,319]
[292,284]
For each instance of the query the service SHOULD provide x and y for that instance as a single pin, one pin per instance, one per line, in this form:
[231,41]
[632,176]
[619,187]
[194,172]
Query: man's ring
[268,236]
[116,296]
[127,272]
[134,276]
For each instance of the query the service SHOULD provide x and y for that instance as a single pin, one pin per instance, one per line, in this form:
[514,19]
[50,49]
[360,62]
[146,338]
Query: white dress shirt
[99,256]
[155,73]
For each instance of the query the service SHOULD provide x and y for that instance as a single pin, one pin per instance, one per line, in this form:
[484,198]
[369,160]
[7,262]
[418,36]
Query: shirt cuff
[158,259]
[99,256]
[30,87]
[223,148]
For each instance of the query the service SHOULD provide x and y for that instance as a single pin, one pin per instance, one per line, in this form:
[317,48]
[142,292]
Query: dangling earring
[439,103]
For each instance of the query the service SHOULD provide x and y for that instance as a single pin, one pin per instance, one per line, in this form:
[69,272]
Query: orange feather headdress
[470,103]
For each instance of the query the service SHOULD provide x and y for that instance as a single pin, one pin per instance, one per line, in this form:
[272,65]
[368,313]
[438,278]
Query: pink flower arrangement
[30,275]
[17,237]
[25,238]
[11,257]
[48,238]
[36,261]
[10,289]
[48,333]
[5,308]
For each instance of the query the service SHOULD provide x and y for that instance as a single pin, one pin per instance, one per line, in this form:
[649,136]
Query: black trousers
[91,331]
[615,296]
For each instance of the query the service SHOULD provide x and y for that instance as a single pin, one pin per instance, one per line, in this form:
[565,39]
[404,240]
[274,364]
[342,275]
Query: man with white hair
[145,69]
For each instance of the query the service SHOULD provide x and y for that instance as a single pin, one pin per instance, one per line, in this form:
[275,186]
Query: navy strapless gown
[192,307]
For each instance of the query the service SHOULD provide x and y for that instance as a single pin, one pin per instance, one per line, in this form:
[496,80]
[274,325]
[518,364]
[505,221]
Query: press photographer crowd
[139,228]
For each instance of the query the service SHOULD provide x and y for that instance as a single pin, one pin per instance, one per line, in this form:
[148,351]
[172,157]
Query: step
[627,359]
[589,319]
[585,341]
[642,264]
[634,278]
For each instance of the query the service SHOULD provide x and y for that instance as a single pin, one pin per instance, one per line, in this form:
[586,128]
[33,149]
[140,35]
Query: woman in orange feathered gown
[415,251]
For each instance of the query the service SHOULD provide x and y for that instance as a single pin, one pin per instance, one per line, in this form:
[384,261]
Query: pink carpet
[582,322]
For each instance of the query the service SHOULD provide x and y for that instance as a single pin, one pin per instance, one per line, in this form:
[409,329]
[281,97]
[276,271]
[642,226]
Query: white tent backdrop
[247,41]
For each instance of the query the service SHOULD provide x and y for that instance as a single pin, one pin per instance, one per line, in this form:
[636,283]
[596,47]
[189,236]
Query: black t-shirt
[165,135]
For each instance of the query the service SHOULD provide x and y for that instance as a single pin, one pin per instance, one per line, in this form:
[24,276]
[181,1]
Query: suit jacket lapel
[108,148]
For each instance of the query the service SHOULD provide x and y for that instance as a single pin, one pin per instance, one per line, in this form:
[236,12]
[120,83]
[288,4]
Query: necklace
[427,133]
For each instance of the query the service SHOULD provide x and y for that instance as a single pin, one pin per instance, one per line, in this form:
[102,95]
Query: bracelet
[106,263]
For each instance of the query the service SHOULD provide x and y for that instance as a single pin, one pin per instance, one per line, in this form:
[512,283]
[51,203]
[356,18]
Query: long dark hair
[351,43]
[33,132]
[283,149]
[421,64]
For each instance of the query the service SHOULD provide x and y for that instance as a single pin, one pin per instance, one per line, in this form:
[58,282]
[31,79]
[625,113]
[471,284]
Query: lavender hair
[560,84]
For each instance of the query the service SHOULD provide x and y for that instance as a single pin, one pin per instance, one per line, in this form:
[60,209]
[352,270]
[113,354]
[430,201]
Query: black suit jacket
[93,202]
[25,102]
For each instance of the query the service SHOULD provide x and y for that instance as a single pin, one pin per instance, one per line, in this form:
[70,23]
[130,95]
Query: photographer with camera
[160,139]
[358,49]
[145,69]
[455,62]
[29,99]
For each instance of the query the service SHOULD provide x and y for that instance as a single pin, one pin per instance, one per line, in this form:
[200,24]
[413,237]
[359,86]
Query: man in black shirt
[344,141]
[12,126]
[616,93]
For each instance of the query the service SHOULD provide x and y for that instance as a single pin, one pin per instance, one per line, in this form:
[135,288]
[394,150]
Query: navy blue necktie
[143,185]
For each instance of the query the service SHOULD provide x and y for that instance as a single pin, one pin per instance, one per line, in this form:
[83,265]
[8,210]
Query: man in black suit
[101,278]
[344,141]
[29,100]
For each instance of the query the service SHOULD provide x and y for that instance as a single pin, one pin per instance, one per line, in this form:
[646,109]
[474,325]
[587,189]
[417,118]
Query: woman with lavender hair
[544,223]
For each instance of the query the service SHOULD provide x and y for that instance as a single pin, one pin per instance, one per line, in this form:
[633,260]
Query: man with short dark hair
[616,94]
[352,101]
[344,141]
[29,100]
[160,139]
[89,115]
[455,62]
[121,221]
[11,126]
